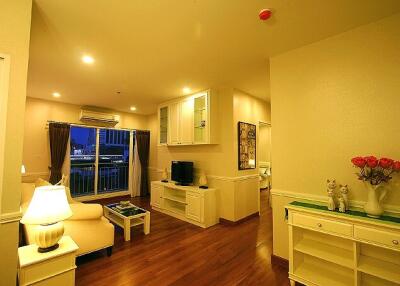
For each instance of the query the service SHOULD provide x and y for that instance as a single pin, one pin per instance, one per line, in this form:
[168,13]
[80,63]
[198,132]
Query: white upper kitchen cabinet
[191,120]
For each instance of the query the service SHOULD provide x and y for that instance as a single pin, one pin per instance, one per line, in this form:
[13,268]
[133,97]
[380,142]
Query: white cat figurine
[344,190]
[331,194]
[342,206]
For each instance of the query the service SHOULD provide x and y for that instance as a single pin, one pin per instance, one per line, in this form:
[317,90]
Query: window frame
[96,194]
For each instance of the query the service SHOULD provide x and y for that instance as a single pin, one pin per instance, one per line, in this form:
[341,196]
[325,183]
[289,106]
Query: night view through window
[113,169]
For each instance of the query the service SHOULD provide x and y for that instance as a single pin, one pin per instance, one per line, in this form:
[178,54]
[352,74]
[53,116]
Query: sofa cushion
[27,192]
[90,235]
[41,182]
[86,211]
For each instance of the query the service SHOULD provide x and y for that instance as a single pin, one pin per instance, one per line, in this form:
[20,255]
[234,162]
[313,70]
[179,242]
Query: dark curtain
[143,147]
[59,134]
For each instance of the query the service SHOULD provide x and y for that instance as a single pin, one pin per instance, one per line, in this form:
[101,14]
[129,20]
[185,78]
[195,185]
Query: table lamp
[47,209]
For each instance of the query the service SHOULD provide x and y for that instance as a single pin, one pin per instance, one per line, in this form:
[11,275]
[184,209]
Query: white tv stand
[188,203]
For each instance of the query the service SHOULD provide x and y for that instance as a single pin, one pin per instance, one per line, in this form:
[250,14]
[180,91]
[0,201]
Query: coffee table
[128,218]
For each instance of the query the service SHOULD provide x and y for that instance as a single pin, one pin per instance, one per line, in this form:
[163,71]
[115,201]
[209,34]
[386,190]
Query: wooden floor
[178,253]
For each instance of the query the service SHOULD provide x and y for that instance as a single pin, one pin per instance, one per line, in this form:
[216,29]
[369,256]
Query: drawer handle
[319,224]
[395,242]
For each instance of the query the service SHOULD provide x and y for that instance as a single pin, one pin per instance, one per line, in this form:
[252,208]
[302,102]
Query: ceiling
[149,50]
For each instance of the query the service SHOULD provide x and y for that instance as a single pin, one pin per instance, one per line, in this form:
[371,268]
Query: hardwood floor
[178,253]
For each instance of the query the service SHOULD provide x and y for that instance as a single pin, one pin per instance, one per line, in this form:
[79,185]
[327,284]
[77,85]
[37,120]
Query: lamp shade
[49,205]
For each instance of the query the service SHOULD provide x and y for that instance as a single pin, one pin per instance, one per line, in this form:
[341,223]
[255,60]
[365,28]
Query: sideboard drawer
[382,237]
[323,224]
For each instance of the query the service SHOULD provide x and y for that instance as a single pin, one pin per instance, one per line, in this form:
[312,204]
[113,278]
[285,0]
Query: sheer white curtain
[137,172]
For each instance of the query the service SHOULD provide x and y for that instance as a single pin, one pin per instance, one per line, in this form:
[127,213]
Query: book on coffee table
[125,207]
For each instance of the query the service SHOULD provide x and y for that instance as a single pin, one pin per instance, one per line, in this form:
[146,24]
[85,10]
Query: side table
[55,267]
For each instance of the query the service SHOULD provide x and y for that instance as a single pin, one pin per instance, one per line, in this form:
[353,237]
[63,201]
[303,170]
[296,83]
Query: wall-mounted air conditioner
[98,117]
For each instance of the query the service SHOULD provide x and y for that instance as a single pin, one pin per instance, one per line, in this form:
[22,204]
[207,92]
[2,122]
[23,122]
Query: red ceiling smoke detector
[265,14]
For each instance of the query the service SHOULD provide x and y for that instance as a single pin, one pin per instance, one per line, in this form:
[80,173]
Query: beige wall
[219,161]
[247,108]
[15,20]
[152,125]
[212,159]
[264,148]
[333,100]
[251,110]
[238,195]
[36,141]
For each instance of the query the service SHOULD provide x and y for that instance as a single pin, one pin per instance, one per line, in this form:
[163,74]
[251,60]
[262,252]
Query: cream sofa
[87,226]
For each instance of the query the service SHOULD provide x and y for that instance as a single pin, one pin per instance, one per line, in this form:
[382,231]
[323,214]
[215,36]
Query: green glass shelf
[354,213]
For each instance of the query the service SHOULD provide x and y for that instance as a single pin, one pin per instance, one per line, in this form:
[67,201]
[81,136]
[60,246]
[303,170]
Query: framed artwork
[246,145]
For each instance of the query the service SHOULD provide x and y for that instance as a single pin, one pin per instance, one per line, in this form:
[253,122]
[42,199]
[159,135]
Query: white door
[174,123]
[194,206]
[4,77]
[186,121]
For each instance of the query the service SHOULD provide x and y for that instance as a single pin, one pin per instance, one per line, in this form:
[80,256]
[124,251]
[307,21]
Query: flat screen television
[182,172]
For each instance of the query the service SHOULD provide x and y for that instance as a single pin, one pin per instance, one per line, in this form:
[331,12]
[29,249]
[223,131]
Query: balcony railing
[113,177]
[82,179]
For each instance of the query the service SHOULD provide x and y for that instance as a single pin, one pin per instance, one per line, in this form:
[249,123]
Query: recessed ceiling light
[56,94]
[133,108]
[87,59]
[186,90]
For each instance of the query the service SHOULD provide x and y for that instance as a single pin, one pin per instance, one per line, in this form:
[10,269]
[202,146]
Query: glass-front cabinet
[201,122]
[163,121]
[190,120]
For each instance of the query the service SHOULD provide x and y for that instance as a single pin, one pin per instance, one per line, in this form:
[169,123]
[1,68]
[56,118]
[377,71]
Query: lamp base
[47,236]
[47,249]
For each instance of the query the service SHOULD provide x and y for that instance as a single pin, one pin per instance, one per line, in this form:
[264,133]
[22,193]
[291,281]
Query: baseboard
[279,261]
[229,222]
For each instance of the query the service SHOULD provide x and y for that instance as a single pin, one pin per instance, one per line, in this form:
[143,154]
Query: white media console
[188,203]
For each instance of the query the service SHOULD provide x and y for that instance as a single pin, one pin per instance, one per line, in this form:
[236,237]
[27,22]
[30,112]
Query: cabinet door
[201,119]
[186,121]
[194,206]
[163,125]
[174,123]
[156,193]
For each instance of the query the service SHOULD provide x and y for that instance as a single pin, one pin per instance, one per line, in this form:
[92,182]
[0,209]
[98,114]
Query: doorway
[264,157]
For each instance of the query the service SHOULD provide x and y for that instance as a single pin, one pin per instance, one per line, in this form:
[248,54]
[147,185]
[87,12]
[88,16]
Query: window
[83,159]
[99,169]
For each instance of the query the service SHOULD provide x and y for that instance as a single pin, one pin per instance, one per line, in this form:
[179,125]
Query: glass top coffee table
[128,217]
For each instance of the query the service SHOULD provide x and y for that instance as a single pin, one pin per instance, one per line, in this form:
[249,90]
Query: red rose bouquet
[375,171]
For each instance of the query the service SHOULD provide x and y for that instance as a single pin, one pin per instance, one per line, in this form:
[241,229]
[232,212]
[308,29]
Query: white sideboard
[188,203]
[331,248]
